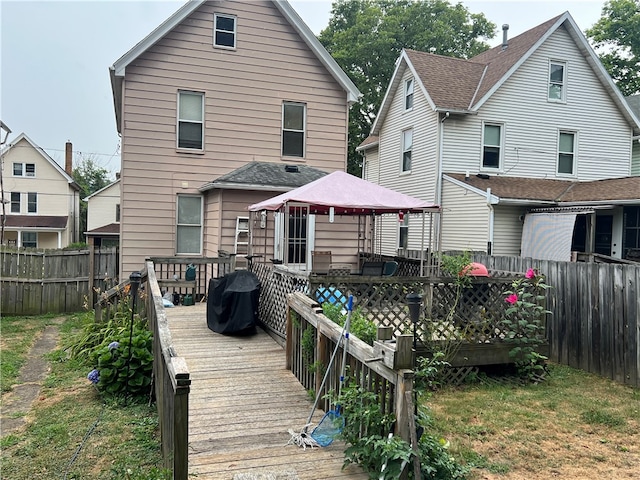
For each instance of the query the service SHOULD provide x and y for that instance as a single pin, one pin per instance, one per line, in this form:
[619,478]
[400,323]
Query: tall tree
[616,38]
[367,36]
[91,178]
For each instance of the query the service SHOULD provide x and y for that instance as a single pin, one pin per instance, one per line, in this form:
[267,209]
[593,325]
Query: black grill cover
[232,303]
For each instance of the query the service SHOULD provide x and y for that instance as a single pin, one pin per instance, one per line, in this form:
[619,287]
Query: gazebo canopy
[348,195]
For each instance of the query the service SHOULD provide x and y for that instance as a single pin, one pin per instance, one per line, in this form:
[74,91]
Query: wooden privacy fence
[390,382]
[37,281]
[595,308]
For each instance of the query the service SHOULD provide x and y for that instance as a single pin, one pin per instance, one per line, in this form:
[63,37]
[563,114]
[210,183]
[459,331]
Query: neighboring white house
[634,104]
[42,202]
[514,144]
[103,216]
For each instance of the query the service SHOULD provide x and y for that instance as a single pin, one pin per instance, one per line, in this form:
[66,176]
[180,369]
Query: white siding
[421,181]
[531,122]
[101,208]
[507,229]
[465,219]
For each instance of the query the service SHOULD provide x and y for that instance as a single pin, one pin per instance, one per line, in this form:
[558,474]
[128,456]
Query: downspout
[491,215]
[438,199]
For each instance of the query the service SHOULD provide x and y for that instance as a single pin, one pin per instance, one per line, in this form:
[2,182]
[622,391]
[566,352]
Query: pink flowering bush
[525,322]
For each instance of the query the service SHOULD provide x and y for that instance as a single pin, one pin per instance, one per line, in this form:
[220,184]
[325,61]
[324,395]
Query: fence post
[403,385]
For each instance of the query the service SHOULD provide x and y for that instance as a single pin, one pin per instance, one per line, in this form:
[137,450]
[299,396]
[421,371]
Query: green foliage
[383,455]
[308,343]
[524,323]
[90,178]
[617,40]
[366,37]
[125,368]
[360,326]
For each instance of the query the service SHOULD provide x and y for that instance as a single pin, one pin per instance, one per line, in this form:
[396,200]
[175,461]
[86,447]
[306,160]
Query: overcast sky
[55,56]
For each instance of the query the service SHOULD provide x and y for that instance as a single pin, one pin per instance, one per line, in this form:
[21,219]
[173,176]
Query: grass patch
[575,425]
[18,335]
[117,441]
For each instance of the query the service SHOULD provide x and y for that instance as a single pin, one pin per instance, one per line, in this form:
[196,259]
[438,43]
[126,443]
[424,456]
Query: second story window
[15,202]
[224,31]
[117,212]
[24,169]
[491,146]
[32,202]
[557,81]
[566,153]
[191,120]
[293,129]
[407,149]
[408,94]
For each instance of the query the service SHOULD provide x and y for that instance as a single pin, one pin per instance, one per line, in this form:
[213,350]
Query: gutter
[244,186]
[491,222]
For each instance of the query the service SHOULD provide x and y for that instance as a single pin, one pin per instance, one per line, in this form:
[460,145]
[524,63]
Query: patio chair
[389,268]
[372,269]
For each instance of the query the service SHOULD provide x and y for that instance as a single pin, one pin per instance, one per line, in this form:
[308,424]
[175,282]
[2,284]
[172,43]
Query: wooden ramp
[242,403]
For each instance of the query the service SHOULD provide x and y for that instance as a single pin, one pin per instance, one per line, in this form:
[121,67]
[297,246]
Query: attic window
[224,31]
[408,94]
[557,81]
[24,169]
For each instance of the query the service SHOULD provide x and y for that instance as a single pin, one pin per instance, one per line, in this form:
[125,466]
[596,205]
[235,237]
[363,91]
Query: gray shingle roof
[560,191]
[36,221]
[280,176]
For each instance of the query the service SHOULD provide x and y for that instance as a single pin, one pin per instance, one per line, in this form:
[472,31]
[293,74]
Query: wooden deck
[242,403]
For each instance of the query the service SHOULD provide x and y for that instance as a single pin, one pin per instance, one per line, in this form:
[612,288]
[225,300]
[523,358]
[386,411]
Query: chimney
[68,158]
[505,41]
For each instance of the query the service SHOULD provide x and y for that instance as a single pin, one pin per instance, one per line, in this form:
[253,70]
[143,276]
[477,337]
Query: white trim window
[15,202]
[408,94]
[557,81]
[407,150]
[189,225]
[492,146]
[24,169]
[567,142]
[224,31]
[191,120]
[32,202]
[293,129]
[29,239]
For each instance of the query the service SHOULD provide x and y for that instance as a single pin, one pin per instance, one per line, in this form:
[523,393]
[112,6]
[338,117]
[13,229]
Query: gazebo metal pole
[422,246]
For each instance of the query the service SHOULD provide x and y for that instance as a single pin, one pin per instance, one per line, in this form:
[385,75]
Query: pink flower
[513,298]
[531,273]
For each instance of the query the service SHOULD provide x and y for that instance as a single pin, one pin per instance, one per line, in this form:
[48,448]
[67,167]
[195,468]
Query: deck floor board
[242,403]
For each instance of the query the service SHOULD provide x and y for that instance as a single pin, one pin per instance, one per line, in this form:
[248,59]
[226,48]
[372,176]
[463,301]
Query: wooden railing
[171,384]
[365,365]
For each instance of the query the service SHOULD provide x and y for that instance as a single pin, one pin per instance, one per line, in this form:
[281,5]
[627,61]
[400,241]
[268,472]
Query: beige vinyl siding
[339,237]
[421,181]
[531,122]
[101,209]
[372,167]
[244,90]
[465,219]
[635,163]
[507,229]
[212,214]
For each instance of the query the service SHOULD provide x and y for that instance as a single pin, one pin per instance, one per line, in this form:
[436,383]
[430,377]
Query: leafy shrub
[123,369]
[360,326]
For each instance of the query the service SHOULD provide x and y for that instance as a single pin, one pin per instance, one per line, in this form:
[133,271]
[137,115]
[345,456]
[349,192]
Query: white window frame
[23,169]
[233,32]
[574,165]
[294,130]
[34,202]
[500,147]
[180,121]
[408,93]
[562,84]
[405,150]
[189,225]
[22,240]
[19,202]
